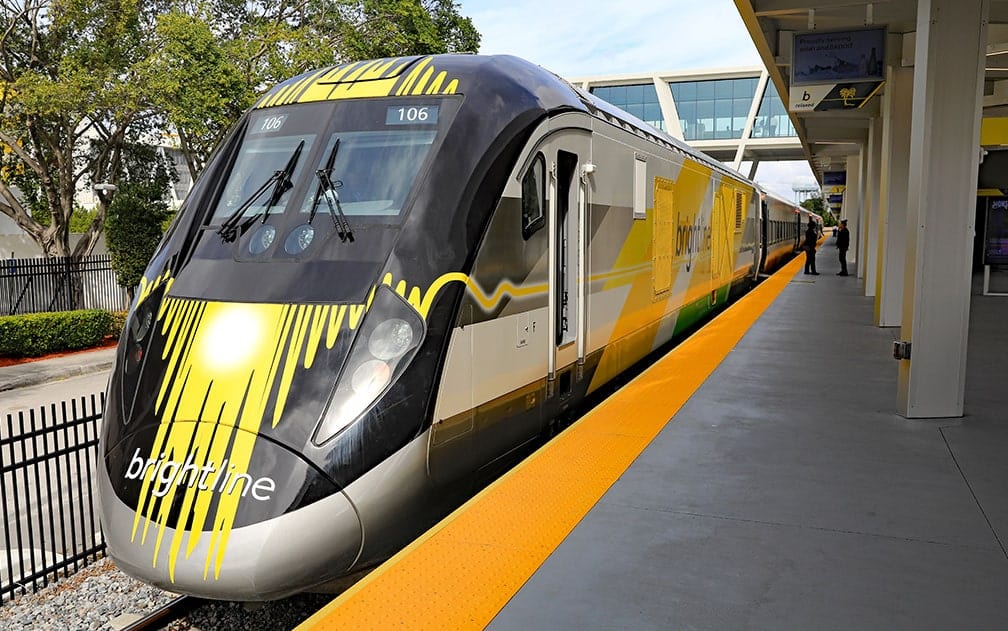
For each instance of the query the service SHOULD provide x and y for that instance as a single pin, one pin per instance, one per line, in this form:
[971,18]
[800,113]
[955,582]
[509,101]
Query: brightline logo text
[223,479]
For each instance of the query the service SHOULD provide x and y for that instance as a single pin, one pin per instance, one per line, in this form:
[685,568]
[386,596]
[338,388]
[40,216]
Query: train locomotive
[391,275]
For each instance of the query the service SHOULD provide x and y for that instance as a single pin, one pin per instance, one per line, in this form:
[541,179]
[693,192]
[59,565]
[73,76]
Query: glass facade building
[713,110]
[640,99]
[772,119]
[709,109]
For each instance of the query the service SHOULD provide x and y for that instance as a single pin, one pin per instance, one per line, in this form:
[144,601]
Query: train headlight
[386,342]
[390,339]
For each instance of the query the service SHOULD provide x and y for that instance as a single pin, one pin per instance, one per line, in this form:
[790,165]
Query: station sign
[996,233]
[832,70]
[834,185]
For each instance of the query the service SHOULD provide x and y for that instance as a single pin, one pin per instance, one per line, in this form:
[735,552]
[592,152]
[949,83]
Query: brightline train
[391,275]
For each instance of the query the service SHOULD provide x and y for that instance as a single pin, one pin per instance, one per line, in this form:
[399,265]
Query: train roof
[468,74]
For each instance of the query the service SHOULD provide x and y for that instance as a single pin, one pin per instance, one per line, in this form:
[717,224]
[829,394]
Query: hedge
[37,334]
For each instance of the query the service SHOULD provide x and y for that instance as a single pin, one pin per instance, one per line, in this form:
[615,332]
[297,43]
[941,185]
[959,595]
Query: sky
[591,37]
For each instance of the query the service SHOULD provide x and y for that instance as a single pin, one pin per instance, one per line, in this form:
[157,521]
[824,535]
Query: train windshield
[324,184]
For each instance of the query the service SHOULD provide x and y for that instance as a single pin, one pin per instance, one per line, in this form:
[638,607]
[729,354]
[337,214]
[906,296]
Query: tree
[211,61]
[137,216]
[816,205]
[68,104]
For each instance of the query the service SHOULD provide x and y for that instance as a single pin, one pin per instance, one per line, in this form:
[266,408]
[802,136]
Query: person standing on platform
[842,244]
[811,237]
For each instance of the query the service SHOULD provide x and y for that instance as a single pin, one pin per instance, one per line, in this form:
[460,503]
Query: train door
[568,216]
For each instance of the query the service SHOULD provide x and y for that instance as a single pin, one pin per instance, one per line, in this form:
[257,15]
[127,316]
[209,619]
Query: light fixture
[104,191]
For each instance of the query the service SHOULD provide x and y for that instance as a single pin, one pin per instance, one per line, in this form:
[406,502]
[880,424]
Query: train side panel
[534,335]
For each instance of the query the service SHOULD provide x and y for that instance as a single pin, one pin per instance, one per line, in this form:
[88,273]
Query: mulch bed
[108,342]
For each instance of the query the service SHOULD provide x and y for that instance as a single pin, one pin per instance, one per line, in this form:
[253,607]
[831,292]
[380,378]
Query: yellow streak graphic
[371,79]
[225,365]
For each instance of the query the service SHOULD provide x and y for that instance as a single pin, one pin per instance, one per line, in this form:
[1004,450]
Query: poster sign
[834,185]
[996,235]
[836,69]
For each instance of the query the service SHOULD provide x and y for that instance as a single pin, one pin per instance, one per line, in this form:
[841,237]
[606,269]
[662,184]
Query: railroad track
[168,613]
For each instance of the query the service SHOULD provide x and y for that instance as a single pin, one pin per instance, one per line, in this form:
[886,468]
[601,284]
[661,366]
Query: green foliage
[125,72]
[817,205]
[117,323]
[210,62]
[41,333]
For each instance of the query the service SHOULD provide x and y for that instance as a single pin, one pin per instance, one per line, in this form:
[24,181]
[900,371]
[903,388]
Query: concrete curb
[36,373]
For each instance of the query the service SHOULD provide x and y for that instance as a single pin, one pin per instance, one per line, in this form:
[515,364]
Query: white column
[944,157]
[668,107]
[852,203]
[870,230]
[897,112]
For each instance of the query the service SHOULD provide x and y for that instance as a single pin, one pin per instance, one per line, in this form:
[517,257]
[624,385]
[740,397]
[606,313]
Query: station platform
[757,477]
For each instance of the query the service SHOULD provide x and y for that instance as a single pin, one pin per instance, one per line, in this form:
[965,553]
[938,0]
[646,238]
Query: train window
[374,170]
[251,180]
[533,199]
[640,187]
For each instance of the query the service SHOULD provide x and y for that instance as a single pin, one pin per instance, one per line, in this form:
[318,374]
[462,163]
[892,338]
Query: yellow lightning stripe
[371,79]
[223,362]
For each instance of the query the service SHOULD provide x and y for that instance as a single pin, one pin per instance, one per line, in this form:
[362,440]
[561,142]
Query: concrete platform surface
[788,494]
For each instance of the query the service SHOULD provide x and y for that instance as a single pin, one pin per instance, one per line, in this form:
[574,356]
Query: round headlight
[299,239]
[262,240]
[390,339]
[370,378]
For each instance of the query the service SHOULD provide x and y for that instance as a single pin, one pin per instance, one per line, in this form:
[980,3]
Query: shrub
[40,333]
[118,323]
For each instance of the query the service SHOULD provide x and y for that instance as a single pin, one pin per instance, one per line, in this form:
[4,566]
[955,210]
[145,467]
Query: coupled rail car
[392,274]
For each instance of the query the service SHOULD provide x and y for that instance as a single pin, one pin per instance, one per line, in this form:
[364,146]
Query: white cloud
[584,38]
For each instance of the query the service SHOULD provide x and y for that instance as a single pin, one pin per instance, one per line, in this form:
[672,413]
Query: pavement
[36,372]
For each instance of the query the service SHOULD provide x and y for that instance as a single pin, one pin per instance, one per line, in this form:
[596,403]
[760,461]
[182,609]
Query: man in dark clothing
[811,236]
[842,244]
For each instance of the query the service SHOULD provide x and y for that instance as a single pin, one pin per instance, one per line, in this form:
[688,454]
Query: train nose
[224,525]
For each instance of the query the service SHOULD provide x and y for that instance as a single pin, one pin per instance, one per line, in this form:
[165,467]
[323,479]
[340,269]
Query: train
[391,276]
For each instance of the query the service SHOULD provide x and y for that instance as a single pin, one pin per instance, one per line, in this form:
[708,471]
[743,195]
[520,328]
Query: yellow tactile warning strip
[465,569]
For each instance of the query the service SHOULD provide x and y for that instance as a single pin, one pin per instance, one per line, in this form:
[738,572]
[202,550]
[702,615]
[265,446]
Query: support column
[852,204]
[897,112]
[870,230]
[944,158]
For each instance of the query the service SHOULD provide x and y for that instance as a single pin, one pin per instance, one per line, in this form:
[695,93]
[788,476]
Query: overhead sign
[836,69]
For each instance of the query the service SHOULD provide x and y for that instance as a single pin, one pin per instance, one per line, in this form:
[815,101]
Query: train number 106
[412,115]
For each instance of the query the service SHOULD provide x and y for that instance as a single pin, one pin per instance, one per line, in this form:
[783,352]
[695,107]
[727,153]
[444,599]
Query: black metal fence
[49,462]
[59,284]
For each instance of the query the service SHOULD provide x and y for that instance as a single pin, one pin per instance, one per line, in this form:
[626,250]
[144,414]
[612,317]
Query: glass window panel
[705,90]
[601,92]
[635,94]
[650,94]
[635,109]
[722,109]
[723,89]
[705,109]
[652,112]
[684,91]
[722,128]
[687,111]
[738,126]
[619,95]
[743,89]
[740,107]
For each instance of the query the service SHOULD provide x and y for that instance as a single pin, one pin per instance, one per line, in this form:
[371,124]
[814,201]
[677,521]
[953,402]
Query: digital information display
[411,115]
[996,235]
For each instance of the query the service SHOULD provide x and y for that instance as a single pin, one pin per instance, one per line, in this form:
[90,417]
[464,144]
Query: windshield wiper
[327,189]
[234,225]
